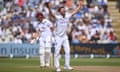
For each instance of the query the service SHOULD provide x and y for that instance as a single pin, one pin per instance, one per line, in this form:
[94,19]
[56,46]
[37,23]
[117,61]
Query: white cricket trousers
[62,41]
[45,50]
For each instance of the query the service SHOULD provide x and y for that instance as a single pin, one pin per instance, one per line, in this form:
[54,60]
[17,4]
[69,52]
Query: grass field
[32,65]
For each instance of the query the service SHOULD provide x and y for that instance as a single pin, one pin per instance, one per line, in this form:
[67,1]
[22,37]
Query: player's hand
[48,5]
[36,35]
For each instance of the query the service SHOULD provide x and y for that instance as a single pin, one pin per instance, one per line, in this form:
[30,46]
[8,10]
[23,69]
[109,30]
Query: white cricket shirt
[61,24]
[44,28]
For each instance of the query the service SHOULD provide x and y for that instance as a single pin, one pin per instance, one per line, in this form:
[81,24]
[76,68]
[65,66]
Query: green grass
[32,64]
[96,62]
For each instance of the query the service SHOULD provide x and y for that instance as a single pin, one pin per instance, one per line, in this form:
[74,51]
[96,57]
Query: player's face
[40,18]
[62,11]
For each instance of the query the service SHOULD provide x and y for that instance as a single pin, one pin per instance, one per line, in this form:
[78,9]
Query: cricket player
[44,29]
[61,38]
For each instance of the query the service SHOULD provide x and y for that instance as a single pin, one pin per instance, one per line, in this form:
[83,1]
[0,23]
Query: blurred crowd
[92,24]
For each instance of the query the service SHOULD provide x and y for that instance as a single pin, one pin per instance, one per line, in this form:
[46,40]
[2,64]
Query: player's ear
[59,9]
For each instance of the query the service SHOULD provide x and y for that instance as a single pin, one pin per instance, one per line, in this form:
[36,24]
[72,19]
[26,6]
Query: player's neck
[41,20]
[63,15]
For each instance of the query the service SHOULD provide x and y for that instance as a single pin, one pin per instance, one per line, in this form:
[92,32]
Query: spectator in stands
[104,38]
[80,25]
[24,23]
[9,35]
[85,9]
[83,37]
[93,9]
[16,29]
[94,27]
[95,38]
[91,2]
[108,20]
[17,40]
[21,3]
[88,2]
[103,4]
[28,35]
[16,17]
[75,36]
[2,34]
[112,37]
[87,22]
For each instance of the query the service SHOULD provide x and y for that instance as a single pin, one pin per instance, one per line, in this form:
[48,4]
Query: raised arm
[78,8]
[49,8]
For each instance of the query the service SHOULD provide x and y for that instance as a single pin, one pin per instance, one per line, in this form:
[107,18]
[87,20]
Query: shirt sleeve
[57,16]
[68,15]
[49,23]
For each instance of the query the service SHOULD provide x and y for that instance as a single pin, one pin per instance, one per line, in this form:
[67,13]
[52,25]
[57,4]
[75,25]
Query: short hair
[39,14]
[60,8]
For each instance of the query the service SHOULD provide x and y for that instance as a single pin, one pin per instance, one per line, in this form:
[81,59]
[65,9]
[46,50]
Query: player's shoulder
[46,20]
[68,14]
[57,15]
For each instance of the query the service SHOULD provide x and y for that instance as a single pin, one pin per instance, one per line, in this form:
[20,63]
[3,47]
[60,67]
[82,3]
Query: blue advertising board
[33,49]
[19,49]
